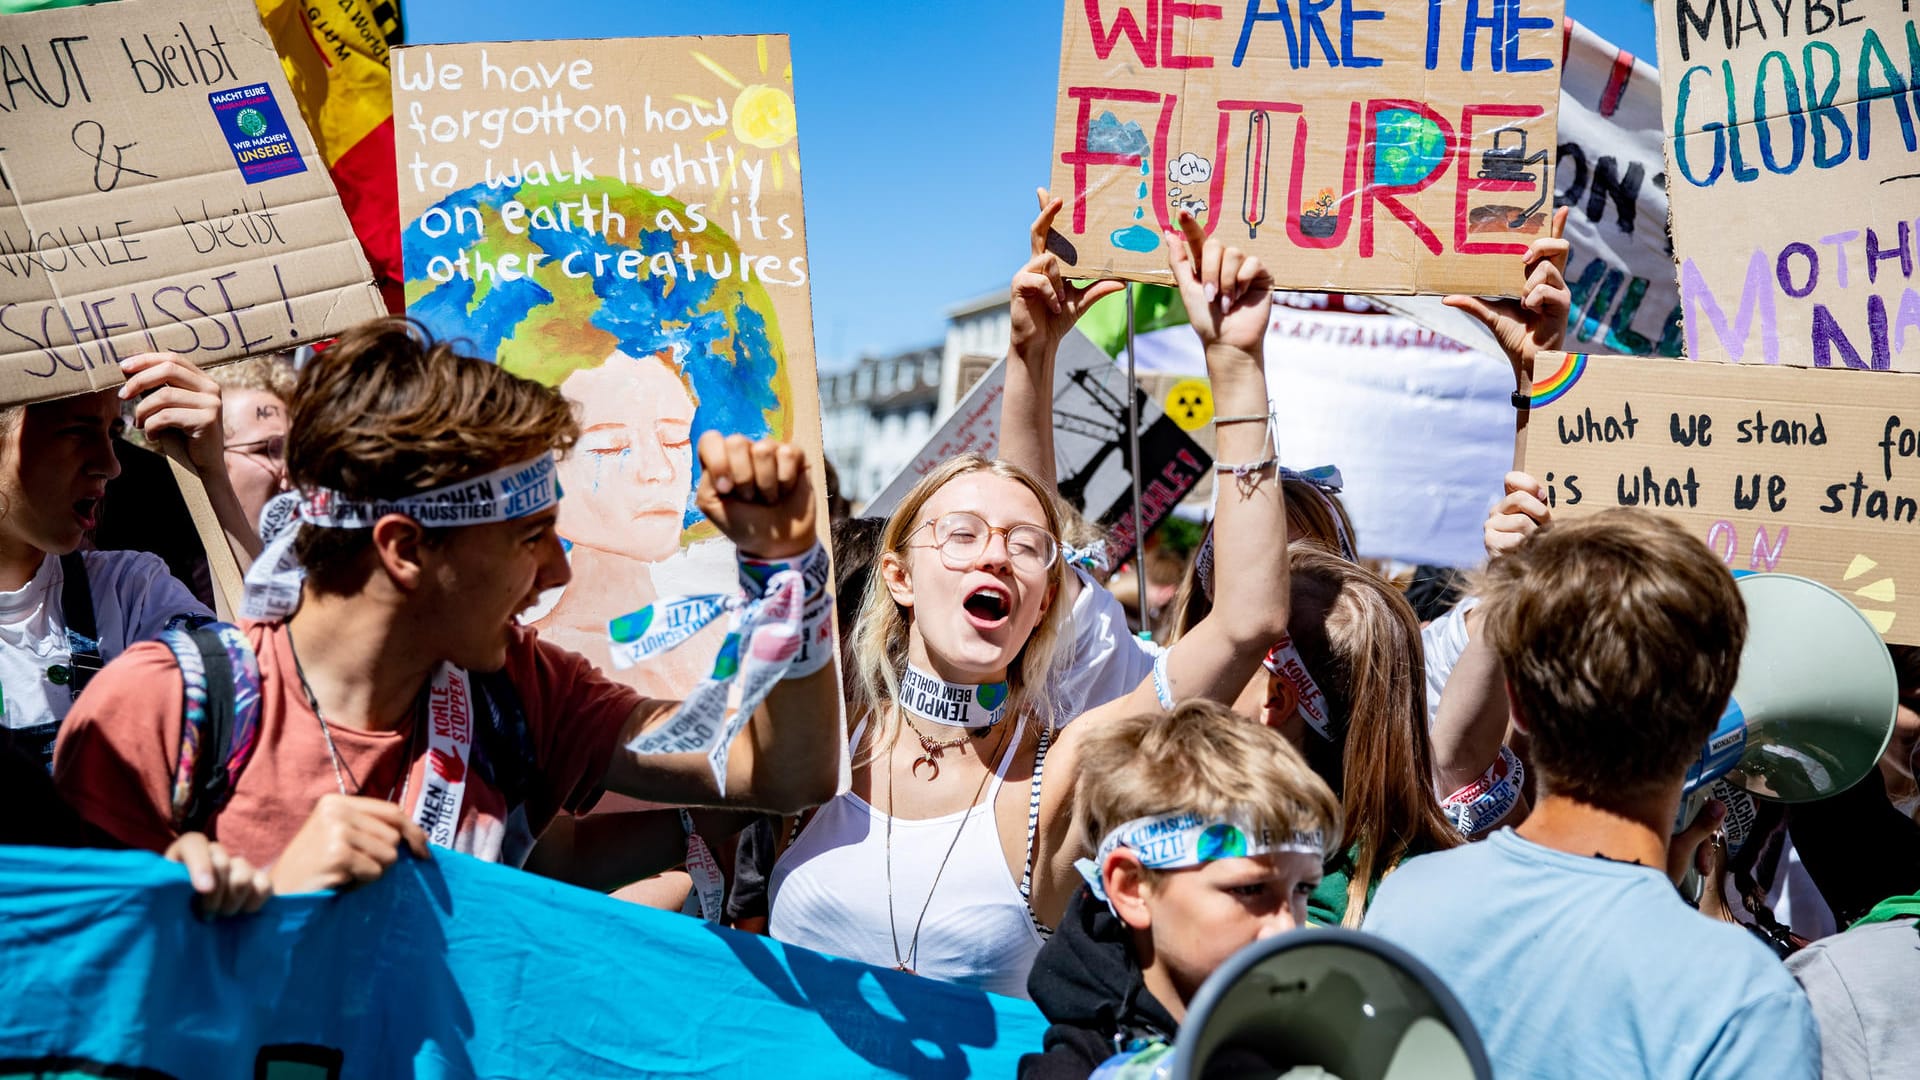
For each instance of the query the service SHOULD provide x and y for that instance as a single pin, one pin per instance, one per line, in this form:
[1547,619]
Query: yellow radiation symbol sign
[1190,403]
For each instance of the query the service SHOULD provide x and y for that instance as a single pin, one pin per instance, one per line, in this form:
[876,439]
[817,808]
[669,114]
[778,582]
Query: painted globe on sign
[615,270]
[1408,147]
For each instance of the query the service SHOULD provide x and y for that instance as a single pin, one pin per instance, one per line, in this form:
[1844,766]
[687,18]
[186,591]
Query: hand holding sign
[179,397]
[1518,515]
[1045,306]
[758,494]
[1537,322]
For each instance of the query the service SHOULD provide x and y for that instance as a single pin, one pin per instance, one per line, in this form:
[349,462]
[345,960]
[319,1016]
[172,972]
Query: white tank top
[828,891]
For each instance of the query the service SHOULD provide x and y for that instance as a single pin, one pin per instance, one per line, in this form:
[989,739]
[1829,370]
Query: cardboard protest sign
[1610,170]
[1373,147]
[1790,143]
[621,219]
[1802,471]
[1090,445]
[158,191]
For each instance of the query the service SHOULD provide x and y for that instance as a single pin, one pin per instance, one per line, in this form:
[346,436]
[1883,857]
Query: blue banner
[448,968]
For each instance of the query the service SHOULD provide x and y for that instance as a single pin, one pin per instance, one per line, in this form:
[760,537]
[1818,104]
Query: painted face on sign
[971,618]
[632,471]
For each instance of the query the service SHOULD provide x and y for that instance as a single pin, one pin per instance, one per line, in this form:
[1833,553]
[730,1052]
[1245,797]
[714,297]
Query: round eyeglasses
[962,538]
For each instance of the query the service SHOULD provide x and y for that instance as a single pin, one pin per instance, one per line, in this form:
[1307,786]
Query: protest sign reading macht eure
[160,194]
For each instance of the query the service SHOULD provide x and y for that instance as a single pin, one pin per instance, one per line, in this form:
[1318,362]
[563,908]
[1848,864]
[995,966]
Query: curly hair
[386,411]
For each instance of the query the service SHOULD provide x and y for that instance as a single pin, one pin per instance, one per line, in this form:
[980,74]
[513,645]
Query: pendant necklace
[398,795]
[906,962]
[930,751]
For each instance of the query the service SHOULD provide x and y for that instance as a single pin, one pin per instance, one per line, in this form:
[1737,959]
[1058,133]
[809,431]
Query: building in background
[978,332]
[876,415]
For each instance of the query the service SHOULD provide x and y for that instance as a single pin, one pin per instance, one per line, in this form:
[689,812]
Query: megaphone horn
[1815,702]
[1326,1002]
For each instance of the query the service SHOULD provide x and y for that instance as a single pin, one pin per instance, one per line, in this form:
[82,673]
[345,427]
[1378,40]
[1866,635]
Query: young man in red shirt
[427,514]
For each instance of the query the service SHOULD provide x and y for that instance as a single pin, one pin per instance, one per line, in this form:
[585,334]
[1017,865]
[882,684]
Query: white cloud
[1189,168]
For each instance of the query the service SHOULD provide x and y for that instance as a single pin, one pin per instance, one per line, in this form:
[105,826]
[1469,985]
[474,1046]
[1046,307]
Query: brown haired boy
[429,516]
[1620,639]
[1211,834]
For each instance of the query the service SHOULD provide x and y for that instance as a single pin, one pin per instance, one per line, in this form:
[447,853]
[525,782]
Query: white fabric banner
[1611,171]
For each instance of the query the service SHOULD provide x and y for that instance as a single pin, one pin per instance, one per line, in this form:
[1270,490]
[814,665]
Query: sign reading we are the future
[1793,178]
[1377,146]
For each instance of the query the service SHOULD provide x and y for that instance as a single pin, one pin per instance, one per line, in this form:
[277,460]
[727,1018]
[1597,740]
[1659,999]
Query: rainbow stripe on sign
[1555,386]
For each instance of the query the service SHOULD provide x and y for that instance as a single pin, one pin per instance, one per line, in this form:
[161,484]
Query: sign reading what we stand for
[159,192]
[1374,146]
[1793,178]
[1800,470]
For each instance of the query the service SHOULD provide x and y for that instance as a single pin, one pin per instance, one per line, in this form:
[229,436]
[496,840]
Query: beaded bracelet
[1243,472]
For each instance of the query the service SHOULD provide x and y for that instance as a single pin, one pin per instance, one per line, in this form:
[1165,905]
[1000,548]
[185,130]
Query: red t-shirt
[119,746]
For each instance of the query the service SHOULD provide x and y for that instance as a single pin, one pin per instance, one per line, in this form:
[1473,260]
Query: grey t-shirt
[1861,984]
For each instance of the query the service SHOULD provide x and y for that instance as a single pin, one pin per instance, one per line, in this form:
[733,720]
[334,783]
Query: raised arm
[788,756]
[1045,307]
[1472,726]
[1229,296]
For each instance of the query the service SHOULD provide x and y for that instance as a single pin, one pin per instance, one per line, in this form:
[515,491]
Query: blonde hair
[880,640]
[1200,758]
[273,374]
[1365,657]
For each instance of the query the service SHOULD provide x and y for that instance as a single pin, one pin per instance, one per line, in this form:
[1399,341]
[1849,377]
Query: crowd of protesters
[1042,803]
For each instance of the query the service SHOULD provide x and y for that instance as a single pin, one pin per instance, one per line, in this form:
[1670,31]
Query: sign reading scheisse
[1793,180]
[1802,471]
[160,194]
[1380,146]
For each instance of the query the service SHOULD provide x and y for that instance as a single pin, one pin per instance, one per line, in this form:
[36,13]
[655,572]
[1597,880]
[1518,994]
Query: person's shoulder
[133,696]
[1880,946]
[121,569]
[542,671]
[140,581]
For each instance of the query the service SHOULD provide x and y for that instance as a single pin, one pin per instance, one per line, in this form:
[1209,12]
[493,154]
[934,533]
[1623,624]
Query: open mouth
[988,606]
[88,511]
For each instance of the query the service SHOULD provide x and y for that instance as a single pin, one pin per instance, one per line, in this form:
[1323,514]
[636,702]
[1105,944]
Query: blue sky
[924,128]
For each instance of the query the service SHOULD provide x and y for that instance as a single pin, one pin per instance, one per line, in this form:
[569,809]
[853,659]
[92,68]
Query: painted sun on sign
[763,116]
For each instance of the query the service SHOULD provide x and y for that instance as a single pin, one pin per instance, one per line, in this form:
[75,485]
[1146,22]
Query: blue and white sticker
[256,132]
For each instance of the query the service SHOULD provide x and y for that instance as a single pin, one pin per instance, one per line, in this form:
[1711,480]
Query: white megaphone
[1326,1002]
[1814,704]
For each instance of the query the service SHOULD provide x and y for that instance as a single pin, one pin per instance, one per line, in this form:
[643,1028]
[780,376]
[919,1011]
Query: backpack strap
[83,629]
[219,720]
[503,742]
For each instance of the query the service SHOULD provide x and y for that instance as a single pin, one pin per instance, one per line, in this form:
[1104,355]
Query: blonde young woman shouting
[954,849]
